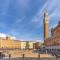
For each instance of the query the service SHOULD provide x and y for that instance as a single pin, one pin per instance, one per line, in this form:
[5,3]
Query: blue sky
[24,18]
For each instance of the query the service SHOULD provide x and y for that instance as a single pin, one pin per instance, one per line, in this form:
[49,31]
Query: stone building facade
[8,43]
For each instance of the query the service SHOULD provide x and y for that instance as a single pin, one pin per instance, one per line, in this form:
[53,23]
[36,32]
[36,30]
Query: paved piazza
[23,53]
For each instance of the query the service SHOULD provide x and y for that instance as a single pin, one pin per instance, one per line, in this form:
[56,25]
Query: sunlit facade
[11,43]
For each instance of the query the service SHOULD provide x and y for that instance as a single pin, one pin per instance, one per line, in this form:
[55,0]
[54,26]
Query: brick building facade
[54,40]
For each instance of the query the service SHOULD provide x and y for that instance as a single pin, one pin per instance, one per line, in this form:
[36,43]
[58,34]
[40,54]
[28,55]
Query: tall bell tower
[45,25]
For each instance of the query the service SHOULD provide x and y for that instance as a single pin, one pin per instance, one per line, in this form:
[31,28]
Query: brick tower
[45,25]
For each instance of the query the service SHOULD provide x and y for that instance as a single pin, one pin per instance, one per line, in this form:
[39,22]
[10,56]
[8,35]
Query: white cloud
[2,35]
[50,4]
[56,13]
[12,37]
[54,8]
[37,18]
[5,35]
[40,13]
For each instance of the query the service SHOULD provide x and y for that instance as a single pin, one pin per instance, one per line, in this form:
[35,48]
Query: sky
[23,19]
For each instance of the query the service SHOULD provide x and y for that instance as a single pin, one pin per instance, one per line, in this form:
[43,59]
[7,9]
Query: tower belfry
[45,25]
